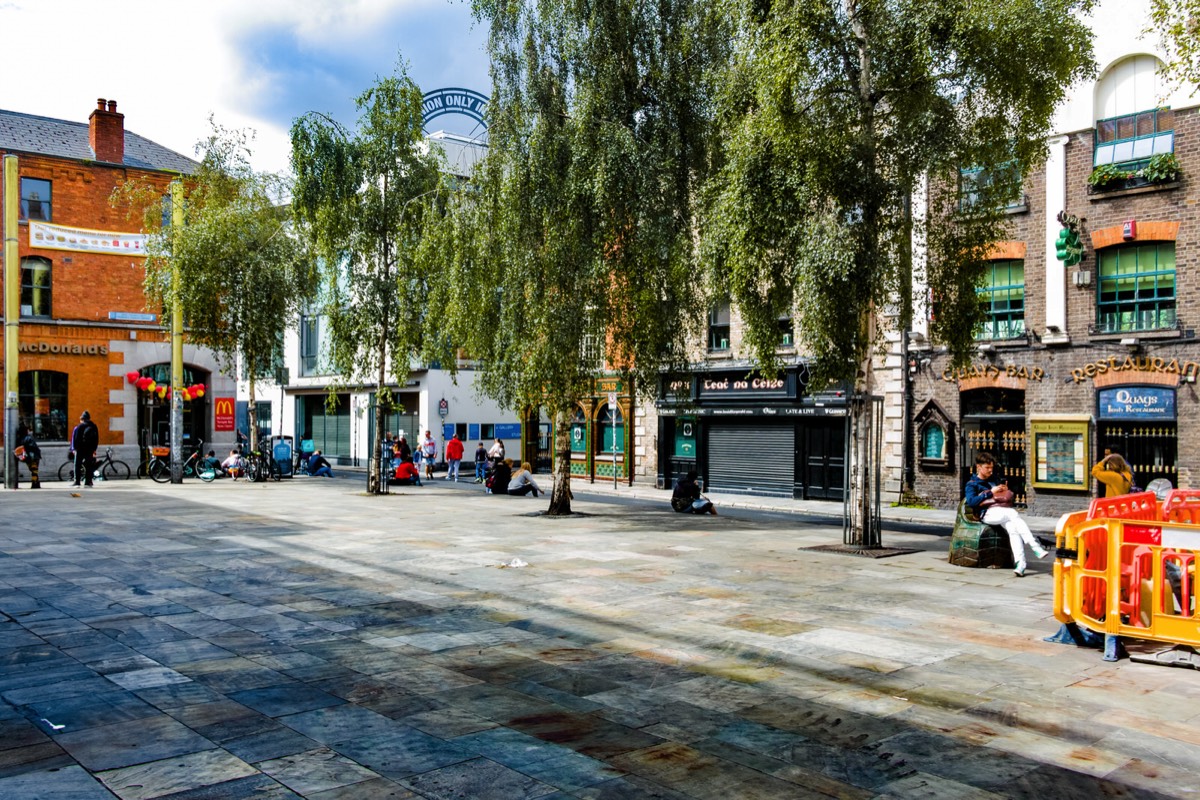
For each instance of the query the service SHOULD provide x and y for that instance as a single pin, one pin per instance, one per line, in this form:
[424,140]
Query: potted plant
[1109,176]
[1161,168]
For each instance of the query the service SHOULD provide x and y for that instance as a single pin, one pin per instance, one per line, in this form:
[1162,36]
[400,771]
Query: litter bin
[281,451]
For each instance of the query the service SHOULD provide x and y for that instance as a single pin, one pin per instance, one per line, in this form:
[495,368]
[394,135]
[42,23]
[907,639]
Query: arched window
[1130,127]
[579,442]
[35,287]
[42,396]
[611,429]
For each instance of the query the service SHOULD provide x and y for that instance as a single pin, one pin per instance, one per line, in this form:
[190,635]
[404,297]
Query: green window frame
[611,429]
[1003,298]
[1136,288]
[579,437]
[42,397]
[975,182]
[718,328]
[1131,139]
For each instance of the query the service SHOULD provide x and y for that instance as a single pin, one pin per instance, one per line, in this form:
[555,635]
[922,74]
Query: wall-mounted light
[1132,342]
[987,349]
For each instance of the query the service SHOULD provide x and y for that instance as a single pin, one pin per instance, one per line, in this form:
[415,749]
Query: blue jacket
[978,490]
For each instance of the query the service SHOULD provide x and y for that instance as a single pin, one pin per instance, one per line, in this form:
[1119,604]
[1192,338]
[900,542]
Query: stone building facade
[1079,359]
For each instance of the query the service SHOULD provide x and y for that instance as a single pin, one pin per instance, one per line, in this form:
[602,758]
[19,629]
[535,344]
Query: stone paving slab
[303,639]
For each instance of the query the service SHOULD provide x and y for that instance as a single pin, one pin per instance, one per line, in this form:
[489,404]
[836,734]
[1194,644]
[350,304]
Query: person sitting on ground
[1114,472]
[686,497]
[211,462]
[501,475]
[522,482]
[318,466]
[407,474]
[234,466]
[992,502]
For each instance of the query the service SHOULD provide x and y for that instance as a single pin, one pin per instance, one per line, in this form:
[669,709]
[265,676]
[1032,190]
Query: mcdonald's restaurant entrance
[154,413]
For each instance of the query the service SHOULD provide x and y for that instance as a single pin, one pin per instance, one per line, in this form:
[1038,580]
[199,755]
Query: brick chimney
[106,132]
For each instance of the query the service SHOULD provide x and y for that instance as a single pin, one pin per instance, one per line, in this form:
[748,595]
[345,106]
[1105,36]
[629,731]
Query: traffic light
[1068,247]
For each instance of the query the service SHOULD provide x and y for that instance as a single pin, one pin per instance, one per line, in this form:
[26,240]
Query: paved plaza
[303,639]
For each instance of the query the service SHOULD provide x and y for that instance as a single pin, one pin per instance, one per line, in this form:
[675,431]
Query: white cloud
[171,64]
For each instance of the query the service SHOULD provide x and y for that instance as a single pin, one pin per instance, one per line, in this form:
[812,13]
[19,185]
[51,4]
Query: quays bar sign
[993,371]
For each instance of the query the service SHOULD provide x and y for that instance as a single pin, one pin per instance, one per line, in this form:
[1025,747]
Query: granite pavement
[306,640]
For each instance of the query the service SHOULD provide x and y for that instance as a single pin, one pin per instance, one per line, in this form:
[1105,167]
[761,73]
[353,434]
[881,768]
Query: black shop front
[748,434]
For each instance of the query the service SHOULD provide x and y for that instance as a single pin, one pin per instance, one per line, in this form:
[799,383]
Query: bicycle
[160,469]
[261,466]
[107,468]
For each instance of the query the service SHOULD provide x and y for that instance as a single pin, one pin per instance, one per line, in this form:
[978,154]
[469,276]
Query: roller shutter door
[753,459]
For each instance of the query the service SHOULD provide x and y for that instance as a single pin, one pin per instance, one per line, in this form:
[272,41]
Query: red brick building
[84,321]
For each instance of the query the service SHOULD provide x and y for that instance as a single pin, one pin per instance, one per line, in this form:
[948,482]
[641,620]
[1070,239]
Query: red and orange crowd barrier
[1127,568]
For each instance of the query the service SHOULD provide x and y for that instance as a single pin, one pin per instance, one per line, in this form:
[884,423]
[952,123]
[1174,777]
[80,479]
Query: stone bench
[975,544]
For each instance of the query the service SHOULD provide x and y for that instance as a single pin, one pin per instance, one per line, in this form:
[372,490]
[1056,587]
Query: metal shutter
[753,459]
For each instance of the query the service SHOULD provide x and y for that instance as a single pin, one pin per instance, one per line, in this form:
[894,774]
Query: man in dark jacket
[84,441]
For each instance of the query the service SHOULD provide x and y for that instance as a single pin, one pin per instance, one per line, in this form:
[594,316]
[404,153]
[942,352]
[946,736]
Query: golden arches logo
[224,406]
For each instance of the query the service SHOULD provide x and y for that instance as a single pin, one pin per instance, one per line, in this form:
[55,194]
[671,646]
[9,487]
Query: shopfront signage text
[1136,364]
[753,385]
[223,413]
[993,371]
[43,348]
[1137,402]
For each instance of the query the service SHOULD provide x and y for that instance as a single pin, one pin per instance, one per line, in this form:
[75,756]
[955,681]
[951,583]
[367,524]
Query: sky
[248,64]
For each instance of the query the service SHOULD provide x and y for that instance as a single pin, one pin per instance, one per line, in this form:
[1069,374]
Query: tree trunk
[374,483]
[560,495]
[252,417]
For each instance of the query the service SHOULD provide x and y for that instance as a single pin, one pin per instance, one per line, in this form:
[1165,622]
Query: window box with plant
[1159,169]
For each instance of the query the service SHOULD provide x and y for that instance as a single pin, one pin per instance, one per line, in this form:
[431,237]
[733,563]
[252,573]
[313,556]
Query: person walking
[85,439]
[428,454]
[992,502]
[454,454]
[481,457]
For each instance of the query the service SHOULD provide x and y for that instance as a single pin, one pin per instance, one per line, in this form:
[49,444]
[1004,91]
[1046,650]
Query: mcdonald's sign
[223,408]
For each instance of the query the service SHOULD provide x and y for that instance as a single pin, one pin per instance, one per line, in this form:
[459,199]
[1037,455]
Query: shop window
[1003,298]
[42,396]
[35,287]
[579,432]
[1136,288]
[611,430]
[35,199]
[718,328]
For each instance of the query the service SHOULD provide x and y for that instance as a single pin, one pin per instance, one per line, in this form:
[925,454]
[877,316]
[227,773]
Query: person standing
[428,454]
[31,454]
[1114,472]
[403,450]
[992,501]
[454,454]
[85,439]
[496,453]
[481,458]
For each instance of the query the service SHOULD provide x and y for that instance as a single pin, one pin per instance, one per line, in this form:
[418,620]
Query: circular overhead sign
[466,102]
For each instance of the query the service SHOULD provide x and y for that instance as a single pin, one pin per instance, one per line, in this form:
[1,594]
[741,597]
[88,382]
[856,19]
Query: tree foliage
[242,274]
[1177,22]
[355,199]
[581,226]
[834,113]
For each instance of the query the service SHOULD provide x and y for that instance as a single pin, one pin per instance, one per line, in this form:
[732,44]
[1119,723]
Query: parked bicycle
[107,468]
[159,467]
[261,466]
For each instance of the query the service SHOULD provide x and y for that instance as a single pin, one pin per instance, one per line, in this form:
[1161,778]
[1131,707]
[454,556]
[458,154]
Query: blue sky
[171,64]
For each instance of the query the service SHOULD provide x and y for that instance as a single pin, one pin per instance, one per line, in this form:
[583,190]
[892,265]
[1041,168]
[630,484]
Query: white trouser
[1019,534]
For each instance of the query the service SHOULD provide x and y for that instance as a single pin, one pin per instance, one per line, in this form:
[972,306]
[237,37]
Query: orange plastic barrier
[1122,571]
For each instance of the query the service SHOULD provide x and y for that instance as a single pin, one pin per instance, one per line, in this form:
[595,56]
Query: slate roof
[62,138]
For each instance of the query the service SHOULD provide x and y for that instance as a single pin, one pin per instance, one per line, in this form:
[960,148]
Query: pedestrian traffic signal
[1068,247]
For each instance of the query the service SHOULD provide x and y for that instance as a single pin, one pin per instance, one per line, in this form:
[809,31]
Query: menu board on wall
[1060,447]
